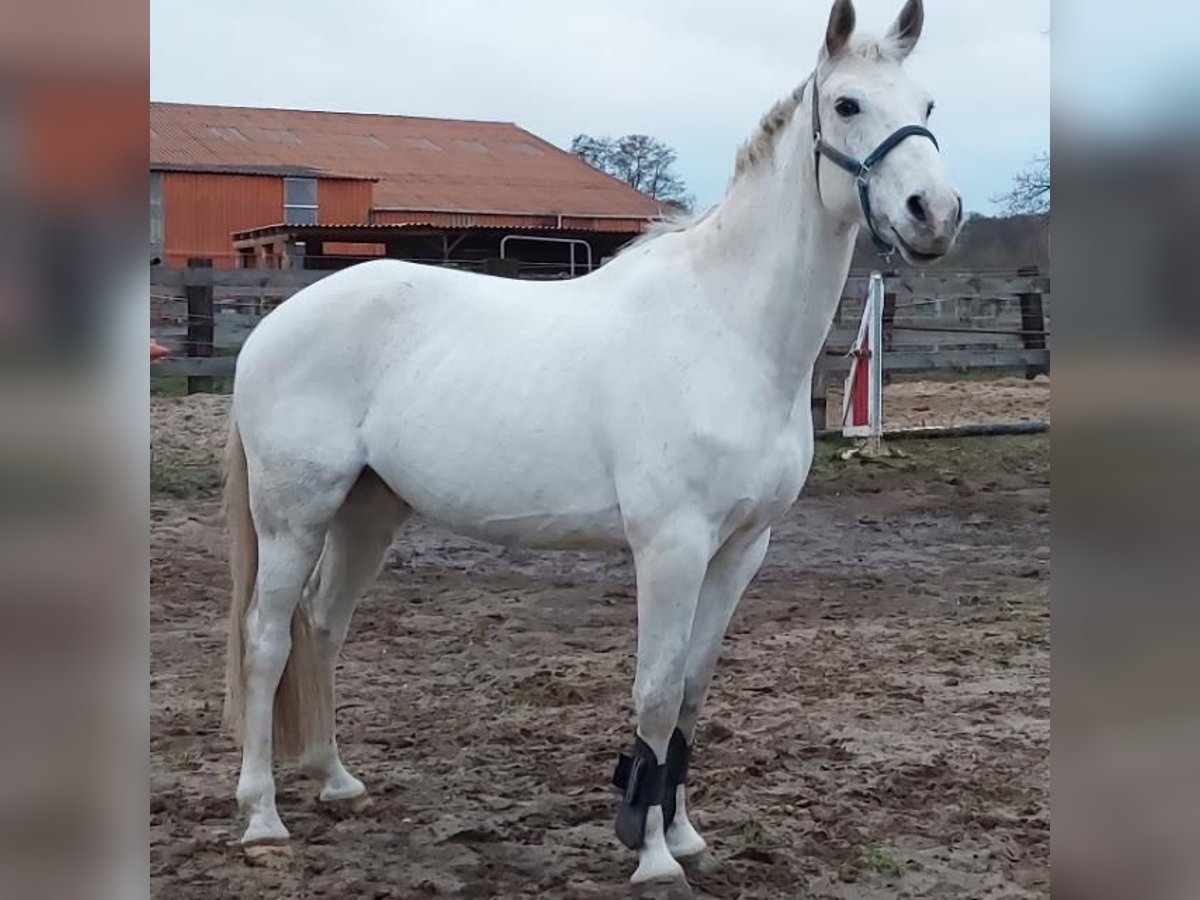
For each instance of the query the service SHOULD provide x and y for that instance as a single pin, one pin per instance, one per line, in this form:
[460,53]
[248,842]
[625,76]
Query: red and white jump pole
[862,399]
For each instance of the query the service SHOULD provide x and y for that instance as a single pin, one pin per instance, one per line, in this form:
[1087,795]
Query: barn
[280,188]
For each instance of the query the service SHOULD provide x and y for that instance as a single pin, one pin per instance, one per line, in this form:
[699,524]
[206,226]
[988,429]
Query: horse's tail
[299,710]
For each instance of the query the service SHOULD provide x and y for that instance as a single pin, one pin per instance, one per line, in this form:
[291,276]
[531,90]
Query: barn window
[525,149]
[156,212]
[227,133]
[472,146]
[300,201]
[420,143]
[281,135]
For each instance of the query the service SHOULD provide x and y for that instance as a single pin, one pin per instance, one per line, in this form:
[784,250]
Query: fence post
[817,394]
[1033,324]
[200,324]
[889,319]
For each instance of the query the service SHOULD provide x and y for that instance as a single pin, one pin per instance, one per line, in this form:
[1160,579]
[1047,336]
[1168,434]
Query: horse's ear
[907,28]
[841,26]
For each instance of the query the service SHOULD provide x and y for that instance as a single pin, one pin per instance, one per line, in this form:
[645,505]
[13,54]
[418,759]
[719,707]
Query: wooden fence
[960,321]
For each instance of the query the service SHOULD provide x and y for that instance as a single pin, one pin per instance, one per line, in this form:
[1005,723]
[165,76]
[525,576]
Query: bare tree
[1030,192]
[643,162]
[596,152]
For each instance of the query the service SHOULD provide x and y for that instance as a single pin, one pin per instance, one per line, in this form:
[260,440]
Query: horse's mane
[760,147]
[667,225]
[761,144]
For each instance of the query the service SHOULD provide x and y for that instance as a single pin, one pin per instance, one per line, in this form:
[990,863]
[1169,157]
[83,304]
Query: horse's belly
[482,514]
[487,489]
[599,529]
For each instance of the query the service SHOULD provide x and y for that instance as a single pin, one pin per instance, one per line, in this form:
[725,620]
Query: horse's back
[344,333]
[474,398]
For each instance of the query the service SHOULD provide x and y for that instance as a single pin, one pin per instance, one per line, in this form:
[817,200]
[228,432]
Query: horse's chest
[783,477]
[767,488]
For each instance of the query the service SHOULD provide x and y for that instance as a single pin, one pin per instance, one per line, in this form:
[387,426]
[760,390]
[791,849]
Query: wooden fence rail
[958,321]
[900,361]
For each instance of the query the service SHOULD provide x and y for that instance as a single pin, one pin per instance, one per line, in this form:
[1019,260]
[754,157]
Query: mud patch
[878,726]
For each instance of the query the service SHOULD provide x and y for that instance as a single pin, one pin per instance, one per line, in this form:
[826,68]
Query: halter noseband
[861,170]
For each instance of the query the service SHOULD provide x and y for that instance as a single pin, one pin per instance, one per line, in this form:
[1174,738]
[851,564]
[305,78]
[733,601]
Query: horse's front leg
[670,569]
[729,573]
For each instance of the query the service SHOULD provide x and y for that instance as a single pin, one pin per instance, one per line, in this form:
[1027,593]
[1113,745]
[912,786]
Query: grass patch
[969,464]
[176,385]
[750,833]
[517,708]
[178,480]
[966,465]
[186,760]
[881,861]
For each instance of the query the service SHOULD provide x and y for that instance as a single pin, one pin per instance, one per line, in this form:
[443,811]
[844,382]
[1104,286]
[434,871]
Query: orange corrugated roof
[421,164]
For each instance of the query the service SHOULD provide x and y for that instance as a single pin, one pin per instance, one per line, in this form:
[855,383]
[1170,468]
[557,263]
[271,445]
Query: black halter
[860,170]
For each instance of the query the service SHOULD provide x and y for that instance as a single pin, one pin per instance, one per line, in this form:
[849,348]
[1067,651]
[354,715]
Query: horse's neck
[775,263]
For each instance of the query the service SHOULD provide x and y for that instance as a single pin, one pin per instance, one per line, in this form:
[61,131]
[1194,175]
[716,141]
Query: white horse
[659,403]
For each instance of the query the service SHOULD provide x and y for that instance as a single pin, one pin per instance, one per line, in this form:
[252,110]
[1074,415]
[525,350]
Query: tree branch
[1030,192]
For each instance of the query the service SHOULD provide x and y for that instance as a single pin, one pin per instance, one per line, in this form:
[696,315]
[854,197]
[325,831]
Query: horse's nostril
[917,208]
[960,209]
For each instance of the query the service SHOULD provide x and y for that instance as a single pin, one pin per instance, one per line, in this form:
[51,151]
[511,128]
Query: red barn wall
[201,210]
[343,202]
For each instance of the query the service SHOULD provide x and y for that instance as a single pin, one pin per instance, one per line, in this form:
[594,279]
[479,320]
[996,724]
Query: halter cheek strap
[861,170]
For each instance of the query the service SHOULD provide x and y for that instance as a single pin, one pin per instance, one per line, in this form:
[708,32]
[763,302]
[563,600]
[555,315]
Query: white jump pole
[862,400]
[875,363]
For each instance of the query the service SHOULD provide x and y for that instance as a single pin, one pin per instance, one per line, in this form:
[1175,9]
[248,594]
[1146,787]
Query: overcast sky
[695,73]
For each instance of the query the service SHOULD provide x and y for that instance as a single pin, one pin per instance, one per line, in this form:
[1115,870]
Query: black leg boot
[678,756]
[642,781]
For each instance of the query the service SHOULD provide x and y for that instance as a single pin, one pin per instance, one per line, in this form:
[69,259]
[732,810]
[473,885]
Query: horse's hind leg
[729,573]
[285,561]
[355,548]
[284,503]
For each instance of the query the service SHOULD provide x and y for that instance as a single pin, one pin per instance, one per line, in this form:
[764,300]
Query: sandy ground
[942,403]
[190,431]
[878,726]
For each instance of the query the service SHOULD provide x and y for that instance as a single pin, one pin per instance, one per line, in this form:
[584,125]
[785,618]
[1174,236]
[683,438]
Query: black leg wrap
[641,780]
[678,755]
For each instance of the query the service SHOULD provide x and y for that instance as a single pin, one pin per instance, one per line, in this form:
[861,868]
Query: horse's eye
[929,112]
[846,107]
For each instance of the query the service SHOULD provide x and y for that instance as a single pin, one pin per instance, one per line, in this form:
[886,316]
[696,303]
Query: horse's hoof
[343,790]
[657,866]
[675,889]
[685,842]
[265,827]
[699,864]
[354,801]
[268,855]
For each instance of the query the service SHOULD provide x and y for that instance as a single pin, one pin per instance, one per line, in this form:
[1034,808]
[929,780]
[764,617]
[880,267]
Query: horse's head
[878,165]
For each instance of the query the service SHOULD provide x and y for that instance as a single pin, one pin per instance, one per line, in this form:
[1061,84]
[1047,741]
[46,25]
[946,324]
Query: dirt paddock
[878,726]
